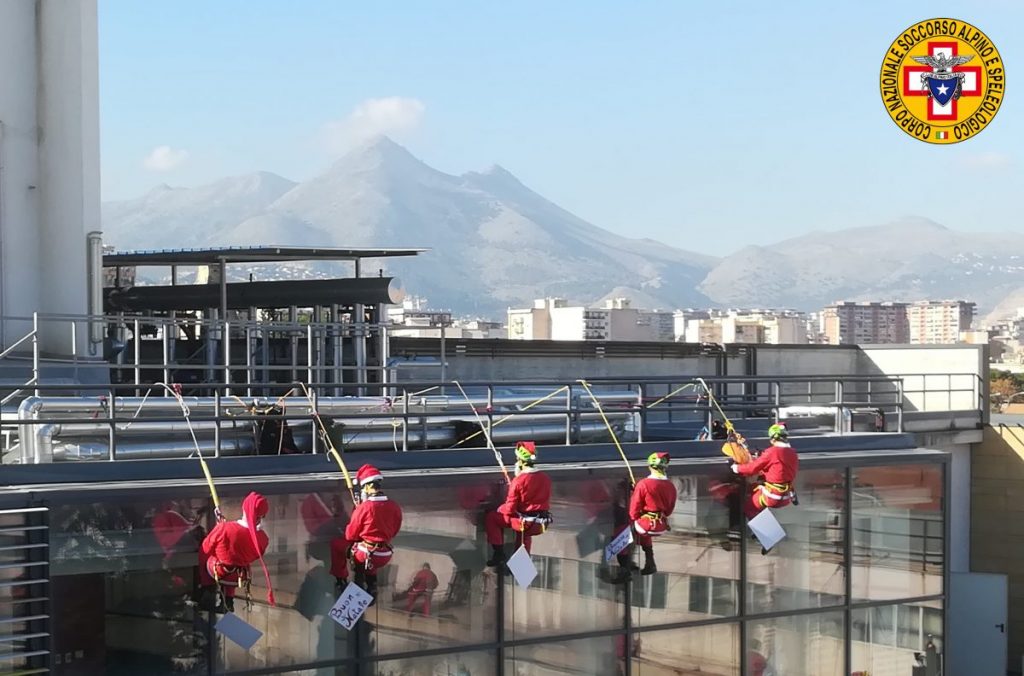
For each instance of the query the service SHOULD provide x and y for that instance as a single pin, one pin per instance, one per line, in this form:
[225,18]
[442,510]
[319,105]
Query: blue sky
[704,125]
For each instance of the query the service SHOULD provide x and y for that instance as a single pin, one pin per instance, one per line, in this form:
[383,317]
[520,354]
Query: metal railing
[32,335]
[108,422]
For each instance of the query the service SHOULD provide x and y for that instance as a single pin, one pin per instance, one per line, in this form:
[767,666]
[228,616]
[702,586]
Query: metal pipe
[53,450]
[94,245]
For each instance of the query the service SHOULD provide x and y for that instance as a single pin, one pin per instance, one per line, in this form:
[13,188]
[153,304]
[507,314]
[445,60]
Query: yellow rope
[199,453]
[611,431]
[509,417]
[487,435]
[672,394]
[728,423]
[331,450]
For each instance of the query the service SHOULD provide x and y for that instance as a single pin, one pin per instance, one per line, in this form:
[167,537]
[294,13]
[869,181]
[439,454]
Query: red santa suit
[232,547]
[778,464]
[423,585]
[652,503]
[374,523]
[525,509]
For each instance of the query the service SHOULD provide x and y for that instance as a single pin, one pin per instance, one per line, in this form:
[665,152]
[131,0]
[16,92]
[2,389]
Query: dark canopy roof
[248,254]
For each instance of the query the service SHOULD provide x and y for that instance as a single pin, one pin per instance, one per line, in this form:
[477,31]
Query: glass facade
[856,584]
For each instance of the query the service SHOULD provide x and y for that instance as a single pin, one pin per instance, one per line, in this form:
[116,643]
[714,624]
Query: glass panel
[573,591]
[122,585]
[898,533]
[805,570]
[802,645]
[698,567]
[889,639]
[712,650]
[602,656]
[473,663]
[442,529]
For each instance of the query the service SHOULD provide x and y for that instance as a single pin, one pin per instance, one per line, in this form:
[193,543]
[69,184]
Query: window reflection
[712,650]
[697,564]
[806,569]
[573,591]
[802,645]
[891,638]
[604,656]
[898,532]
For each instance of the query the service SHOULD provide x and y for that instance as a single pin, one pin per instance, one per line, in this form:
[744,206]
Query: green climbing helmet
[526,452]
[658,460]
[778,432]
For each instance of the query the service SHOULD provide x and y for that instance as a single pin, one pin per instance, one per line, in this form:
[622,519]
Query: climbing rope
[331,450]
[607,423]
[175,392]
[483,428]
[509,417]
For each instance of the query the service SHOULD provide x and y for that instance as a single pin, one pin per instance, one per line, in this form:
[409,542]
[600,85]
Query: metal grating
[24,591]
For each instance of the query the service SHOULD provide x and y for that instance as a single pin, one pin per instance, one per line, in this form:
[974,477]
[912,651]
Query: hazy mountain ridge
[496,243]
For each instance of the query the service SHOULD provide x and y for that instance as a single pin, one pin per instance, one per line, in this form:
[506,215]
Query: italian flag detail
[941,134]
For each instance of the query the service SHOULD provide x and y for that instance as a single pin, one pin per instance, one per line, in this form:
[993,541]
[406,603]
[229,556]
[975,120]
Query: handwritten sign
[238,630]
[521,566]
[767,529]
[618,543]
[350,606]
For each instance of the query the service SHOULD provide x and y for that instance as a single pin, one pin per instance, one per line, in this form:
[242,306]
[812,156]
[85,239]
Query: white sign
[522,567]
[618,543]
[350,606]
[238,630]
[767,529]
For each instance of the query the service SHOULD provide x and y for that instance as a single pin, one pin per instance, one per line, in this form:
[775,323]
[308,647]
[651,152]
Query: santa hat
[368,474]
[526,450]
[254,508]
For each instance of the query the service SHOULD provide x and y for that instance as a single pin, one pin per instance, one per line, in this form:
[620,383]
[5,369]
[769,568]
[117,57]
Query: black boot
[340,583]
[371,587]
[497,557]
[649,567]
[626,568]
[229,603]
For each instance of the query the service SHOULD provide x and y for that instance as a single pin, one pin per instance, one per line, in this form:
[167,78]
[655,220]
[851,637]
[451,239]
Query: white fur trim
[369,479]
[377,498]
[781,444]
[528,470]
[660,477]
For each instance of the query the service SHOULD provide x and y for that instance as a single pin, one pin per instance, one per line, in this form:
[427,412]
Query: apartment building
[555,319]
[939,322]
[866,323]
[772,327]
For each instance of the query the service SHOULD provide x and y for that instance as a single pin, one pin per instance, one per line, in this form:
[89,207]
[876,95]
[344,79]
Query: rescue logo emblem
[942,81]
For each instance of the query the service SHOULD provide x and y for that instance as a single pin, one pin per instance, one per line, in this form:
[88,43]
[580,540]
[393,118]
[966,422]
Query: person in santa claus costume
[525,510]
[653,501]
[230,549]
[367,540]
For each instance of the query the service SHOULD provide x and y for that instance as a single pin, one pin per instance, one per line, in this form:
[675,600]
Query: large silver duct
[60,445]
[160,418]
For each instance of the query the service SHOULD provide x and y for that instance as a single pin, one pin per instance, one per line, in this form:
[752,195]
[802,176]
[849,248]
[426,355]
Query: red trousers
[371,558]
[213,572]
[495,524]
[762,497]
[415,594]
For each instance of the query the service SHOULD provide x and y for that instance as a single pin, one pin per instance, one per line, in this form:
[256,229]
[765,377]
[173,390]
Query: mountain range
[496,243]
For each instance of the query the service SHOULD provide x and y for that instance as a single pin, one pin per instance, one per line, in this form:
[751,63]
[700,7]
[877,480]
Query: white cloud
[391,116]
[987,160]
[164,158]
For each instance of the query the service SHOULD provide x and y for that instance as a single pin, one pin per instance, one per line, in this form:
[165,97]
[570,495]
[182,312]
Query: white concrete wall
[19,160]
[924,371]
[49,162]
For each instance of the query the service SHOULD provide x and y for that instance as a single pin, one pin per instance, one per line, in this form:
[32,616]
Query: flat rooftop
[249,254]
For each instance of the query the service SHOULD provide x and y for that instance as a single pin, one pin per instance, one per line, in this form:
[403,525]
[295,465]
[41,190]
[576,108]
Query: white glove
[735,468]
